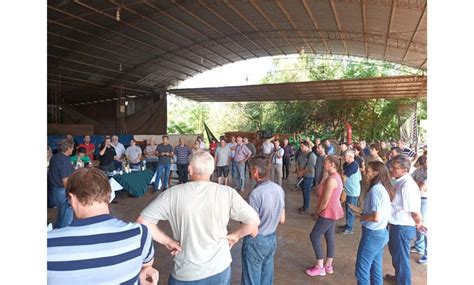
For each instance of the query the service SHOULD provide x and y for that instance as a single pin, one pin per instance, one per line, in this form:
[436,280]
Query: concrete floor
[294,252]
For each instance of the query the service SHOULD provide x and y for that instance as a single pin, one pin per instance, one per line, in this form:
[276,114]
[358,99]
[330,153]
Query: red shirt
[90,148]
[212,148]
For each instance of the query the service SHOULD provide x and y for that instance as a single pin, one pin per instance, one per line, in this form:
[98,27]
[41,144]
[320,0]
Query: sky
[245,72]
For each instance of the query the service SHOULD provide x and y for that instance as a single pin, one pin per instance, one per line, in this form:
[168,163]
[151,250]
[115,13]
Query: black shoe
[302,210]
[342,227]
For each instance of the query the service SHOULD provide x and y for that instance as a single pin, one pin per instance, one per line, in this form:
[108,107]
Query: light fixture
[126,103]
[117,14]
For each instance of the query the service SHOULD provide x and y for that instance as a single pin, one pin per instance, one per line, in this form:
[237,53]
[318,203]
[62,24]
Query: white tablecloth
[115,187]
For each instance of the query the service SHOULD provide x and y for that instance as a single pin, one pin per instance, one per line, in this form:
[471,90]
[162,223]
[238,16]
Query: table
[136,182]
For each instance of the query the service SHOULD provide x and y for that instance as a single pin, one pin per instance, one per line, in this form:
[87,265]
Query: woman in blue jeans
[374,220]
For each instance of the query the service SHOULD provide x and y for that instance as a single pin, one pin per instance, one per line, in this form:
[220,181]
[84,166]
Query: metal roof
[96,46]
[368,88]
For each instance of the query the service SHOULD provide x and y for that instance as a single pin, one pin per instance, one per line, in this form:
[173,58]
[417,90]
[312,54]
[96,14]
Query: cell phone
[423,230]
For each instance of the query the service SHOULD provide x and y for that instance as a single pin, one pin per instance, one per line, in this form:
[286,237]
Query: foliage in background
[370,119]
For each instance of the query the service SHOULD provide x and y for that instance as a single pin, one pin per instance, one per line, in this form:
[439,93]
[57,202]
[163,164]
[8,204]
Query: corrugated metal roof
[151,45]
[369,88]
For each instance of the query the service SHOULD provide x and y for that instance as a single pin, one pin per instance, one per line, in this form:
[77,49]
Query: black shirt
[108,156]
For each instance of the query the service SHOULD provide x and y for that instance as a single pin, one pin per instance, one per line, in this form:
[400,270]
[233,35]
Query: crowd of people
[386,187]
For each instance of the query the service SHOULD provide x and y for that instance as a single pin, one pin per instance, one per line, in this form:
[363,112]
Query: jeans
[182,172]
[326,227]
[258,256]
[368,268]
[159,174]
[135,166]
[306,187]
[222,278]
[240,176]
[286,166]
[420,243]
[65,213]
[152,164]
[234,174]
[399,247]
[350,217]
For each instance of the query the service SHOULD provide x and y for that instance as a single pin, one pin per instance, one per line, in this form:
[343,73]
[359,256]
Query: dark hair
[421,160]
[383,177]
[359,149]
[376,146]
[165,136]
[65,144]
[89,185]
[262,164]
[305,143]
[397,149]
[81,150]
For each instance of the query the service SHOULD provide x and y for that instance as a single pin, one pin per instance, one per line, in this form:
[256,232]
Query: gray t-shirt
[222,155]
[133,153]
[268,199]
[311,163]
[164,148]
[198,213]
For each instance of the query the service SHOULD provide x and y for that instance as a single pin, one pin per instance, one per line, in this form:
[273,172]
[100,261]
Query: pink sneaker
[315,271]
[329,269]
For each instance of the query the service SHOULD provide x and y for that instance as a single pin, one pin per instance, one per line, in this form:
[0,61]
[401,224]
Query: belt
[424,198]
[271,234]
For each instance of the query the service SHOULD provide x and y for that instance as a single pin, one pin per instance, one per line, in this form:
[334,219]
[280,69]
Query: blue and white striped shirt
[182,154]
[98,250]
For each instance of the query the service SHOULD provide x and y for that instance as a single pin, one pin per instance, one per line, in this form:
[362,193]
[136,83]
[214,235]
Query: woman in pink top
[329,210]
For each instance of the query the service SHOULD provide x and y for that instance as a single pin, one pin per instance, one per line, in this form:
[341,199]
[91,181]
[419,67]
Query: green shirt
[84,159]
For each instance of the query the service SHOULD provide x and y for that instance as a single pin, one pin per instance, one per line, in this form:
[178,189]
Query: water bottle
[144,165]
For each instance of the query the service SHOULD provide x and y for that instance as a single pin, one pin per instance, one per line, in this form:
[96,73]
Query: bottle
[144,165]
[126,165]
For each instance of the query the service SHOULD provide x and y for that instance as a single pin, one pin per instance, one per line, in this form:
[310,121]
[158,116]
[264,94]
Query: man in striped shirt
[97,248]
[182,153]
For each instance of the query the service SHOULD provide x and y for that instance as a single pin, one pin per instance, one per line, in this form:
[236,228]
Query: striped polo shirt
[182,154]
[98,250]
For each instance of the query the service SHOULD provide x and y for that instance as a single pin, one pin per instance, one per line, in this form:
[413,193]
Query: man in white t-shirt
[133,153]
[267,147]
[404,220]
[119,150]
[277,163]
[198,212]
